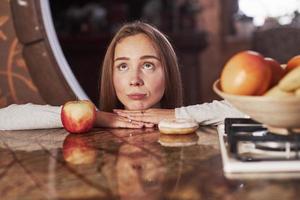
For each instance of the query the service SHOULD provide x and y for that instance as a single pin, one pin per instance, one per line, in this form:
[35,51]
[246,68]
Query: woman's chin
[137,107]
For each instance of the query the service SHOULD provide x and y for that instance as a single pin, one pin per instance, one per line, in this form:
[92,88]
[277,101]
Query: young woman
[140,80]
[140,71]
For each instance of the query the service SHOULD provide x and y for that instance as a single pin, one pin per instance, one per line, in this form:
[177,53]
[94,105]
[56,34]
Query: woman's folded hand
[112,120]
[153,115]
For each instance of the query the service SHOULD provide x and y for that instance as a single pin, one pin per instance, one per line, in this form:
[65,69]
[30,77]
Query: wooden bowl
[280,114]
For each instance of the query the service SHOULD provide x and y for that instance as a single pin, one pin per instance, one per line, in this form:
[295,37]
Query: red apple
[77,150]
[277,71]
[246,73]
[78,116]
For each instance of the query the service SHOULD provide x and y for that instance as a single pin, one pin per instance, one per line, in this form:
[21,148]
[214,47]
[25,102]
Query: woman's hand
[152,115]
[112,120]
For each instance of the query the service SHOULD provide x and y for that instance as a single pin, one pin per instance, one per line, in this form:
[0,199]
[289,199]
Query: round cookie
[177,126]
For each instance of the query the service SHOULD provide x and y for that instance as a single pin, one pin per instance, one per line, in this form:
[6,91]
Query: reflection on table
[122,164]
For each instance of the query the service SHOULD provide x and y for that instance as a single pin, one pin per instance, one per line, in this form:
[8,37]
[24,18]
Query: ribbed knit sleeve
[212,113]
[30,116]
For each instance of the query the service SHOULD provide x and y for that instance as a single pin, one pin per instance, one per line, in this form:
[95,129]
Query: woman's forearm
[212,113]
[30,116]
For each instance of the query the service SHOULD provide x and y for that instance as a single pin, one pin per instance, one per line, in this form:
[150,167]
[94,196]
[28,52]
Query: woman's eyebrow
[143,57]
[149,56]
[121,58]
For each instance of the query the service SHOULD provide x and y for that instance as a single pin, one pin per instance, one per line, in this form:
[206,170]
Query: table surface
[123,164]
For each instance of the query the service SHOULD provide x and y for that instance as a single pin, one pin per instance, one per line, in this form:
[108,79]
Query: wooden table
[122,164]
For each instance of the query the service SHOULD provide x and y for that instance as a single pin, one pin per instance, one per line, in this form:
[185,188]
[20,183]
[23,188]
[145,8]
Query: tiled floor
[122,164]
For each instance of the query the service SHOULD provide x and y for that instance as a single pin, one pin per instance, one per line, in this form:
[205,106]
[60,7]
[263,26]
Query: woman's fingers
[129,123]
[149,116]
[129,111]
[122,114]
[139,117]
[123,122]
[112,120]
[143,118]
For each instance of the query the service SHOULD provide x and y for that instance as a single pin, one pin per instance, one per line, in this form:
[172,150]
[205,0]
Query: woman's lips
[136,96]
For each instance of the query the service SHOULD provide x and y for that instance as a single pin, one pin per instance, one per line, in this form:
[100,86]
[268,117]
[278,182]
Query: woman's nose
[136,80]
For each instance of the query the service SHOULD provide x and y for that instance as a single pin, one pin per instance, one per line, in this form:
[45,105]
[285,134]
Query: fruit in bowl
[246,73]
[278,107]
[277,71]
[272,111]
[293,62]
[78,116]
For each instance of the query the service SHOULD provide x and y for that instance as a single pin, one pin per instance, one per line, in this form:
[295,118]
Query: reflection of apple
[76,150]
[78,116]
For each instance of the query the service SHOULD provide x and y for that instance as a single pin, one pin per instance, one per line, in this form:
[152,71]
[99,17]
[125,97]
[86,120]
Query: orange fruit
[292,63]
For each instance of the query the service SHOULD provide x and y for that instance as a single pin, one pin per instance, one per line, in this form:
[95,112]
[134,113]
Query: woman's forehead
[139,44]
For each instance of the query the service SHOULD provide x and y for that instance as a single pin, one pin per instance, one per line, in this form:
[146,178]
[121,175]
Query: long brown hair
[172,97]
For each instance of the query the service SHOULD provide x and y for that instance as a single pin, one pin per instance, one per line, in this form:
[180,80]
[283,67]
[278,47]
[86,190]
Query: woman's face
[138,74]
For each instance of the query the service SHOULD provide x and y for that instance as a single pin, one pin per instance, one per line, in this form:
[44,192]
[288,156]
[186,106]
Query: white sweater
[31,116]
[212,113]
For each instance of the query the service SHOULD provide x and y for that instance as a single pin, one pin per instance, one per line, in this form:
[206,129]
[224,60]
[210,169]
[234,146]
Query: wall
[214,19]
[16,85]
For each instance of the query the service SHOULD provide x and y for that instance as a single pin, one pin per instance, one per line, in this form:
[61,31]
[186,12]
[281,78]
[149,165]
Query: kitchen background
[205,33]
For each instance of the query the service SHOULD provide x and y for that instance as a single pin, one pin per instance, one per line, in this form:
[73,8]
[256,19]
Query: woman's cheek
[158,84]
[119,83]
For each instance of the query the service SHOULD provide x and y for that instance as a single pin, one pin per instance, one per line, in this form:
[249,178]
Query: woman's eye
[148,66]
[122,67]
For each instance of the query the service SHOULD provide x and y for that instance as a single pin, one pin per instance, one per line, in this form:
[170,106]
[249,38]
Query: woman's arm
[212,113]
[30,116]
[112,120]
[207,114]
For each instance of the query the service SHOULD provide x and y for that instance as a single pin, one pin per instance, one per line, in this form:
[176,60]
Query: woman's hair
[172,97]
